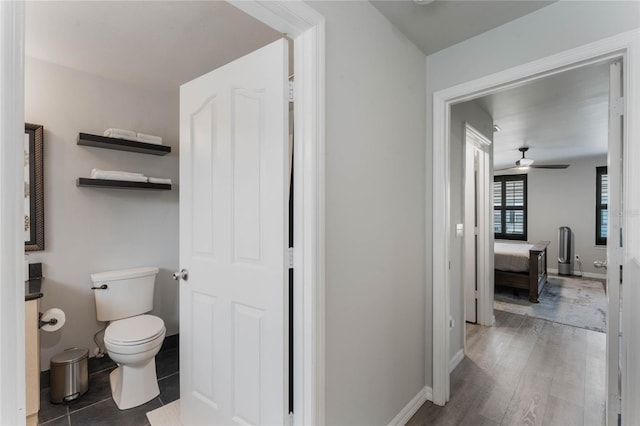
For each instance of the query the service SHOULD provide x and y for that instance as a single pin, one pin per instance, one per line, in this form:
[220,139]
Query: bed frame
[535,279]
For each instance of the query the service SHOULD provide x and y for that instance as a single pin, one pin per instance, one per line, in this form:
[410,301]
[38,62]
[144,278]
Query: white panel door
[233,211]
[614,243]
[470,271]
[478,225]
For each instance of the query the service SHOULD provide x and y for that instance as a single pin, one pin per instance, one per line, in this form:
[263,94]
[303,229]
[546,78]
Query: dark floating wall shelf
[104,183]
[122,144]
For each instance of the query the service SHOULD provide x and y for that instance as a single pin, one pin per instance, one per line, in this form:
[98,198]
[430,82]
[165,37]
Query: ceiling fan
[525,163]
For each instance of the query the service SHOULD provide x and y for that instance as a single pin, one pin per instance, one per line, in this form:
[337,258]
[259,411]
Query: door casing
[12,351]
[614,243]
[625,46]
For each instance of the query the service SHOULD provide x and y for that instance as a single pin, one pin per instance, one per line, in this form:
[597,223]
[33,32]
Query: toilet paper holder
[52,321]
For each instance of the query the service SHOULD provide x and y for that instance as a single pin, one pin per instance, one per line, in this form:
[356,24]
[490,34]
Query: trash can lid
[70,356]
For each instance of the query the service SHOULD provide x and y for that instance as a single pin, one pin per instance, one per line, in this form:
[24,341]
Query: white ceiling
[560,117]
[154,44]
[162,44]
[443,23]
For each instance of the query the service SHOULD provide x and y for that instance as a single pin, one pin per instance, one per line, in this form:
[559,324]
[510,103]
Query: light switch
[459,230]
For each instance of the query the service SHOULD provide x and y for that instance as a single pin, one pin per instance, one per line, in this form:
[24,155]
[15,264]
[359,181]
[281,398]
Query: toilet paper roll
[53,313]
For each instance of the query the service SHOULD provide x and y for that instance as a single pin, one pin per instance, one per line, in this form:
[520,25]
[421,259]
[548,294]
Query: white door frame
[12,352]
[625,45]
[307,28]
[614,241]
[478,267]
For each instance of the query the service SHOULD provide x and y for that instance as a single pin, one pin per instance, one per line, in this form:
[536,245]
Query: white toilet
[132,339]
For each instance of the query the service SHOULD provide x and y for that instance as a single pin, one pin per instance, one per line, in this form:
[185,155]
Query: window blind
[602,204]
[510,207]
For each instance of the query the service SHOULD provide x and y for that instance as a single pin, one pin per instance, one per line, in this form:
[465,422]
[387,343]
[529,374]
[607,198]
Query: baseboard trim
[577,274]
[455,360]
[425,394]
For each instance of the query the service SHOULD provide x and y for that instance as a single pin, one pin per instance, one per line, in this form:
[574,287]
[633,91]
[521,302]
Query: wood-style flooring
[525,371]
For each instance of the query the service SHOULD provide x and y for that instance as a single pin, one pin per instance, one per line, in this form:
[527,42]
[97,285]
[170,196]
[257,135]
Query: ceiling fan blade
[550,166]
[506,168]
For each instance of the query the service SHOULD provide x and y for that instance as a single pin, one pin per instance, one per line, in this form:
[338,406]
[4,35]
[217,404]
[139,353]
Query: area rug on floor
[579,302]
[167,415]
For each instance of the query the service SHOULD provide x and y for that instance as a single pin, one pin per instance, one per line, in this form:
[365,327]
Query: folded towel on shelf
[121,134]
[142,137]
[106,175]
[160,180]
[114,172]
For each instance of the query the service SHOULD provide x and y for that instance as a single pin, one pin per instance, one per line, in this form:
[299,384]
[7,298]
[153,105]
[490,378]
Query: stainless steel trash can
[69,375]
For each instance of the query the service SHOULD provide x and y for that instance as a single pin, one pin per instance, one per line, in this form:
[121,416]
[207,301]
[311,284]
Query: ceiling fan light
[524,162]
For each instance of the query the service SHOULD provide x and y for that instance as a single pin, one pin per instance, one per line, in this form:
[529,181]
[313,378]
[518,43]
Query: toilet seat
[135,334]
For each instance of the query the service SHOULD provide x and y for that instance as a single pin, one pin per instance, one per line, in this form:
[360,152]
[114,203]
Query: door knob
[182,275]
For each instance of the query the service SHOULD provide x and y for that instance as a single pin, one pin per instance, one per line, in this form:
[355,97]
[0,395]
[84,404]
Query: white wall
[375,254]
[461,114]
[566,198]
[550,30]
[91,229]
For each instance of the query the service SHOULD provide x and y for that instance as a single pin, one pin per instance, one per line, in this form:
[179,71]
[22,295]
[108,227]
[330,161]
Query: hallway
[525,371]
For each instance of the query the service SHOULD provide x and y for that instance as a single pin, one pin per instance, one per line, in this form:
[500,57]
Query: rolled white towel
[101,174]
[160,180]
[121,134]
[114,172]
[142,137]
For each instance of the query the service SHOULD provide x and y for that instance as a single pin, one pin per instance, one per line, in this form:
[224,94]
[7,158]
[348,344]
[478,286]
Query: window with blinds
[602,203]
[510,207]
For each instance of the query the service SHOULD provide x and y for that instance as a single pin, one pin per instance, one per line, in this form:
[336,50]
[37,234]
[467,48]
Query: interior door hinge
[291,91]
[475,294]
[290,256]
[617,106]
[291,418]
[616,405]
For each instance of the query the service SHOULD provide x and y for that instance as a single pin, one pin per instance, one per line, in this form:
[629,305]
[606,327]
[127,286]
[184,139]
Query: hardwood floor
[525,371]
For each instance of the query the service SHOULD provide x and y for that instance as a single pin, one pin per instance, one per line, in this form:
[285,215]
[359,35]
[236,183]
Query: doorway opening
[589,54]
[547,200]
[307,28]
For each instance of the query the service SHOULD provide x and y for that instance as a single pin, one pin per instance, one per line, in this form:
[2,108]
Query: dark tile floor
[96,407]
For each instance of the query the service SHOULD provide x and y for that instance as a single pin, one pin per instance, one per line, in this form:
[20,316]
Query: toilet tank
[128,292]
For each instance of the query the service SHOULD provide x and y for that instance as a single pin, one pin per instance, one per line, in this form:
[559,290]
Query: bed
[522,266]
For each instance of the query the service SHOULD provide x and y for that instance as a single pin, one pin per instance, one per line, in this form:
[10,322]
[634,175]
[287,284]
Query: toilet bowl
[133,337]
[133,343]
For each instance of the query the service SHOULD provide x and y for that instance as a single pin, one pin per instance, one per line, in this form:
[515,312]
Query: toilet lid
[134,330]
